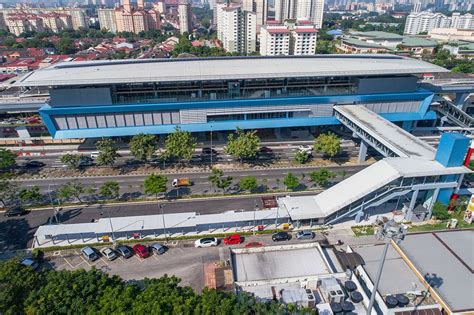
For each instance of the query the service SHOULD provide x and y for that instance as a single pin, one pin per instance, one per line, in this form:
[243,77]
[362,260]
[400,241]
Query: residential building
[56,22]
[311,10]
[237,29]
[184,16]
[274,40]
[288,39]
[22,22]
[107,19]
[424,22]
[136,19]
[260,8]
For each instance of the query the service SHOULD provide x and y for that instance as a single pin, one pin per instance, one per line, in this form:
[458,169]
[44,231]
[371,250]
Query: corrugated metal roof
[172,70]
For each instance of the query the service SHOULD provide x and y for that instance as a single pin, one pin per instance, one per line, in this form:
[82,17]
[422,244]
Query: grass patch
[363,230]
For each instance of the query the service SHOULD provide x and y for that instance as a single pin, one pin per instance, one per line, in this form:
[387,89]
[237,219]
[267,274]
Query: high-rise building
[426,21]
[288,39]
[311,10]
[260,8]
[107,19]
[18,23]
[236,28]
[135,19]
[184,15]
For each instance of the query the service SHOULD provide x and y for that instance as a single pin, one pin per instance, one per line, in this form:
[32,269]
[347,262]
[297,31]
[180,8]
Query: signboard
[468,215]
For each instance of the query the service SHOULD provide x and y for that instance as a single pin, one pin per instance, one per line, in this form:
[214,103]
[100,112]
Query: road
[17,233]
[133,184]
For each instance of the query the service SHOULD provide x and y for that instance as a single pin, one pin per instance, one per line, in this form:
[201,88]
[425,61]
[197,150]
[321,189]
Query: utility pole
[254,213]
[163,218]
[110,222]
[388,232]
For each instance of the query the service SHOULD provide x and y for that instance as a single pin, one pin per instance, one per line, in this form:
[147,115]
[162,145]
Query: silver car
[89,253]
[305,235]
[109,253]
[158,248]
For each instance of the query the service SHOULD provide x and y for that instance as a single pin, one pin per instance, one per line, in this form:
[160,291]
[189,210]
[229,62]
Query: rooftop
[446,261]
[172,70]
[378,35]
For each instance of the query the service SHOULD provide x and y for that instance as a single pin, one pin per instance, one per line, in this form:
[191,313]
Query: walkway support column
[412,205]
[362,152]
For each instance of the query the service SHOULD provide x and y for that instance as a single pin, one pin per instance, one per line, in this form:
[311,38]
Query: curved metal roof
[195,69]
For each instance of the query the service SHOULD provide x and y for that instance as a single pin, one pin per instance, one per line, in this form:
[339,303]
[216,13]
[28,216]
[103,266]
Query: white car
[205,242]
[305,148]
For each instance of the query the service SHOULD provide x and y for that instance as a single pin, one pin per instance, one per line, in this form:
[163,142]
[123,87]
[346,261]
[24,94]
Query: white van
[94,155]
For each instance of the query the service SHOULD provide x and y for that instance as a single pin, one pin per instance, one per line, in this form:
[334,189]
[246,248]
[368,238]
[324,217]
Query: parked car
[109,253]
[29,262]
[305,235]
[124,251]
[265,150]
[209,151]
[206,242]
[232,239]
[95,155]
[16,211]
[305,148]
[85,161]
[158,248]
[280,236]
[141,250]
[34,164]
[89,253]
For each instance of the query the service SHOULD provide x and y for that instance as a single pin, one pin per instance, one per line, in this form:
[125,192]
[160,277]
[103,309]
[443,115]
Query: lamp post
[110,222]
[163,218]
[388,232]
[254,213]
[211,146]
[55,208]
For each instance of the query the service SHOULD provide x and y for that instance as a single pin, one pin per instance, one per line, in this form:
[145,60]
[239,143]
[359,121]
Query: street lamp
[163,218]
[110,222]
[254,213]
[388,232]
[55,208]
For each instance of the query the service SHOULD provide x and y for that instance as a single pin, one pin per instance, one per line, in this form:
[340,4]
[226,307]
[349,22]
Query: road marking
[155,257]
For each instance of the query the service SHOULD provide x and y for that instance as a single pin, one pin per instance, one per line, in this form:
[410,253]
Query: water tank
[402,300]
[347,307]
[356,297]
[336,308]
[391,301]
[350,286]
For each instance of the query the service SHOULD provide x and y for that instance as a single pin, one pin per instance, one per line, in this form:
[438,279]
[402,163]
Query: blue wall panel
[452,149]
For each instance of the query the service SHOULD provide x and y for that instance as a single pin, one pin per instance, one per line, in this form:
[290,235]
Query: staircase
[452,113]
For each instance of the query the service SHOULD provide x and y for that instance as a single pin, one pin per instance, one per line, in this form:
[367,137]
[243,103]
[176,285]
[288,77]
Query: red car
[232,239]
[141,251]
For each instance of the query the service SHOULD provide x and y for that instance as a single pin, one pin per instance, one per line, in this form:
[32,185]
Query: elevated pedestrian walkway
[409,165]
[383,135]
[453,113]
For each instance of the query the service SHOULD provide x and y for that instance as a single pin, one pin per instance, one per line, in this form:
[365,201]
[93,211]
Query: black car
[280,236]
[124,251]
[15,212]
[209,151]
[34,164]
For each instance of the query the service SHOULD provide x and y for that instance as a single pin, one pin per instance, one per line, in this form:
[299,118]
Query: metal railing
[453,113]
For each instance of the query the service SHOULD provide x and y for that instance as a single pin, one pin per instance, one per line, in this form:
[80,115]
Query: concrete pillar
[362,152]
[359,216]
[412,205]
[461,100]
[433,201]
[407,125]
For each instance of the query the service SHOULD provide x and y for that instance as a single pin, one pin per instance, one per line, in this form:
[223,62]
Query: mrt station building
[123,98]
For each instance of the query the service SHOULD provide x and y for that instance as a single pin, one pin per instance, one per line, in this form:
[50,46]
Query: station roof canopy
[175,70]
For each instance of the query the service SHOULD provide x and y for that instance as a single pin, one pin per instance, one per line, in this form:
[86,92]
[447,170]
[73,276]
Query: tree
[107,152]
[248,183]
[31,195]
[217,179]
[243,145]
[328,144]
[143,146]
[71,189]
[440,211]
[7,159]
[110,189]
[72,161]
[291,181]
[302,157]
[321,176]
[8,191]
[155,184]
[180,145]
